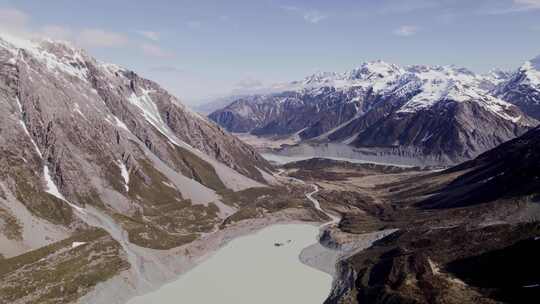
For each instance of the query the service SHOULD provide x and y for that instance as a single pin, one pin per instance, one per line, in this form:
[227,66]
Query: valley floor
[373,218]
[235,246]
[377,241]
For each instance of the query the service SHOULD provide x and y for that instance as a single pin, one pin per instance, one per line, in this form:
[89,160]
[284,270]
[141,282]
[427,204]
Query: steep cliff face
[75,132]
[522,88]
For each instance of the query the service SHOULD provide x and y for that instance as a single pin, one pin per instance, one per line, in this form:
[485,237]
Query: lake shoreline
[165,266]
[243,271]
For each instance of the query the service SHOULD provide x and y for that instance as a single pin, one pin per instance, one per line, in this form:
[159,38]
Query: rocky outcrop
[437,266]
[523,88]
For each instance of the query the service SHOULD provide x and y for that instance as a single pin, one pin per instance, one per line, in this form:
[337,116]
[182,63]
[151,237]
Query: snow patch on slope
[120,124]
[77,109]
[72,65]
[23,125]
[50,187]
[375,75]
[531,70]
[232,179]
[151,113]
[125,174]
[500,108]
[435,84]
[439,84]
[77,244]
[189,188]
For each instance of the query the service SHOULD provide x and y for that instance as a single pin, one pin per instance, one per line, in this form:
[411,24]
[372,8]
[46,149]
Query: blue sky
[199,49]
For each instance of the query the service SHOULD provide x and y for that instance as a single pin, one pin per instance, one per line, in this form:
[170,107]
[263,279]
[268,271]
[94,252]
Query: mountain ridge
[79,135]
[359,107]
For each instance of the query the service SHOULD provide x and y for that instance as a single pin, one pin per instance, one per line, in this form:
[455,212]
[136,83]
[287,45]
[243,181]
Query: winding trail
[334,218]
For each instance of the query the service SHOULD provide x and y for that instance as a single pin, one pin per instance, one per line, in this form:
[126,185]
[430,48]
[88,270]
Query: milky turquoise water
[251,269]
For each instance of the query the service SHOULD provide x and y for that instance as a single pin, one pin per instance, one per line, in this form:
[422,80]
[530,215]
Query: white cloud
[314,16]
[528,3]
[406,30]
[309,15]
[155,51]
[515,6]
[56,32]
[101,38]
[249,83]
[13,19]
[17,22]
[151,35]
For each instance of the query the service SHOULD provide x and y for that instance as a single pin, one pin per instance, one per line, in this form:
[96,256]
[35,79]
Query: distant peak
[535,63]
[444,69]
[319,77]
[497,72]
[378,65]
[33,44]
[16,41]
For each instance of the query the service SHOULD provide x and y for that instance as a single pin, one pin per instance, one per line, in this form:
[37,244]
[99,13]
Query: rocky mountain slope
[468,234]
[509,170]
[102,170]
[448,113]
[523,88]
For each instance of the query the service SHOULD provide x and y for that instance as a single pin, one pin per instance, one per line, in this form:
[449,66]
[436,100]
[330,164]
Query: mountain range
[111,187]
[445,113]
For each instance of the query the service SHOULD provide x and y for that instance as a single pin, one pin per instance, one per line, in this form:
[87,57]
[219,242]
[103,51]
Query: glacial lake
[284,159]
[251,269]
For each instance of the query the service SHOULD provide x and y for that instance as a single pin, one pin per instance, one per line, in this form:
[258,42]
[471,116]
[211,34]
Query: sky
[203,49]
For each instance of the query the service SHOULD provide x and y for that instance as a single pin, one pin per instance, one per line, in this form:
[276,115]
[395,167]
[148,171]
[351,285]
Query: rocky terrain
[468,234]
[523,88]
[107,180]
[111,187]
[444,114]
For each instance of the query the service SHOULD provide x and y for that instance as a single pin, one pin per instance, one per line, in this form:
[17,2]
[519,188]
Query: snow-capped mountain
[86,144]
[523,88]
[444,111]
